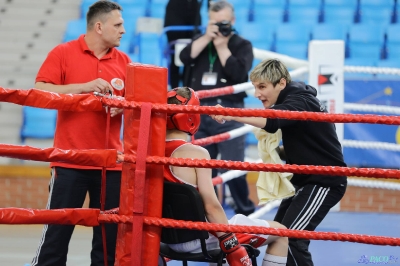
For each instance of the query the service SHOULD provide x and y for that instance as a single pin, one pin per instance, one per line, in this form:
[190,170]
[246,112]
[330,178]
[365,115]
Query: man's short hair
[100,10]
[270,70]
[216,6]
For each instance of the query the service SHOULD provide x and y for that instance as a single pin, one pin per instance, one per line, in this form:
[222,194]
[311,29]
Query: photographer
[217,59]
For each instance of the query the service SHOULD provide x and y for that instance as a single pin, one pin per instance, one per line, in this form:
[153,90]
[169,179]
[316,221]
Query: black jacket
[235,71]
[307,142]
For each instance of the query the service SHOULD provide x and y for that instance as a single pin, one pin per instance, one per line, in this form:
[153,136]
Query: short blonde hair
[270,70]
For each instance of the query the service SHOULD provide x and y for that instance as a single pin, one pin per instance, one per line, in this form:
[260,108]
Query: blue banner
[377,92]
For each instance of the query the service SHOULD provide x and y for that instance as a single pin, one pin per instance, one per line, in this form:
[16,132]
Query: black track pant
[305,211]
[68,188]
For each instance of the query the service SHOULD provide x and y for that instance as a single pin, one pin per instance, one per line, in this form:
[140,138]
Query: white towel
[271,185]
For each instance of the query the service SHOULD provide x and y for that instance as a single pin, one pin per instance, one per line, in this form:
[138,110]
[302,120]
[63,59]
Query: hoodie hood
[295,88]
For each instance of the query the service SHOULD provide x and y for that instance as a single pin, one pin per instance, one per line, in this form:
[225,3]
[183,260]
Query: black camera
[224,27]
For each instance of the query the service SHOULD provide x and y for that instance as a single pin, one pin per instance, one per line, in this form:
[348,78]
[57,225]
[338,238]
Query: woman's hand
[221,118]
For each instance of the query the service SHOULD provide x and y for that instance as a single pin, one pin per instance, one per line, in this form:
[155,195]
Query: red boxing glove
[236,255]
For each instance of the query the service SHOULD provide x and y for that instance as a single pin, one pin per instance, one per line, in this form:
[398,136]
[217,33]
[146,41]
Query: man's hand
[236,255]
[220,41]
[115,111]
[120,157]
[212,30]
[98,85]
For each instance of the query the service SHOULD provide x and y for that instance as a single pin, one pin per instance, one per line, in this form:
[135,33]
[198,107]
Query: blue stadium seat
[366,41]
[270,3]
[237,4]
[329,32]
[305,3]
[297,50]
[157,10]
[393,34]
[37,123]
[267,14]
[242,15]
[251,139]
[259,33]
[84,8]
[380,15]
[292,40]
[74,29]
[133,11]
[377,3]
[304,15]
[342,14]
[262,44]
[261,6]
[396,13]
[134,57]
[291,32]
[125,46]
[149,48]
[148,41]
[393,51]
[366,50]
[341,3]
[383,11]
[162,2]
[130,28]
[151,58]
[366,34]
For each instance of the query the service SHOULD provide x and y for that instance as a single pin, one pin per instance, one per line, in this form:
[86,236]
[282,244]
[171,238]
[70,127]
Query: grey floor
[18,243]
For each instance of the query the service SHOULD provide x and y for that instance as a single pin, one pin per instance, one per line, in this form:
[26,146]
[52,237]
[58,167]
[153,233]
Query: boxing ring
[139,215]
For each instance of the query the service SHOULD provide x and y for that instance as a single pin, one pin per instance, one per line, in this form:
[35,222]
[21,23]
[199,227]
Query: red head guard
[185,122]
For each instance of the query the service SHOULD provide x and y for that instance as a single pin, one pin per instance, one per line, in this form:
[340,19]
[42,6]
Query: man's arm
[238,62]
[98,85]
[49,77]
[221,45]
[199,45]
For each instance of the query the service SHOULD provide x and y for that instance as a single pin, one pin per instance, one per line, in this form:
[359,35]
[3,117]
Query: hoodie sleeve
[294,102]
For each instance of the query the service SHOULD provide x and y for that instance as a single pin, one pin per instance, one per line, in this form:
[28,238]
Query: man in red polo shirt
[86,65]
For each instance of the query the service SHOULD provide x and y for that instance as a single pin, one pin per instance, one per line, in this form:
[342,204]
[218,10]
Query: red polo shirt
[73,62]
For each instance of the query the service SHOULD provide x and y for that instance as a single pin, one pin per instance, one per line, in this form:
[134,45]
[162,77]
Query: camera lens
[224,27]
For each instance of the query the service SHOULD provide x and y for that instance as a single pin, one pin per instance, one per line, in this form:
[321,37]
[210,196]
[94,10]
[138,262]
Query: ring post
[326,74]
[147,84]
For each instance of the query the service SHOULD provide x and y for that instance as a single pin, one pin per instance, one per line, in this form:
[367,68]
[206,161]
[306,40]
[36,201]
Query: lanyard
[212,57]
